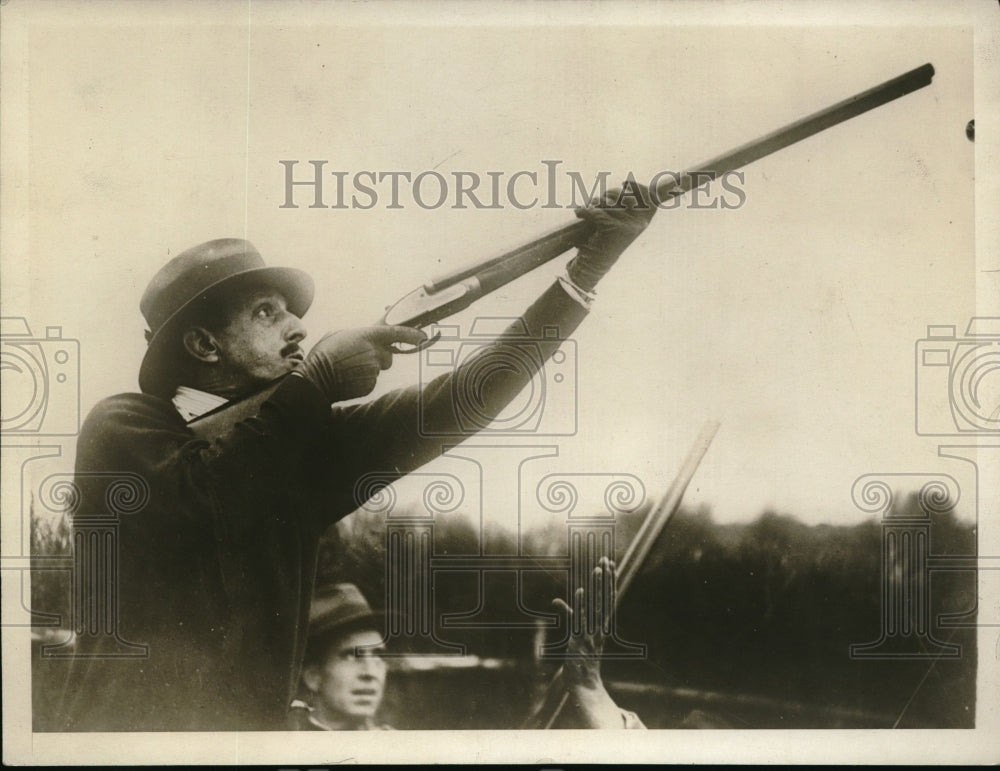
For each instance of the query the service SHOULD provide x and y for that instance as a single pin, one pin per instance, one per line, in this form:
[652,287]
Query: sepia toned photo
[477,383]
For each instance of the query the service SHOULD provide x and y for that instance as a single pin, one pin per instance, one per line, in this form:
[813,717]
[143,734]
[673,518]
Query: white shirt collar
[192,403]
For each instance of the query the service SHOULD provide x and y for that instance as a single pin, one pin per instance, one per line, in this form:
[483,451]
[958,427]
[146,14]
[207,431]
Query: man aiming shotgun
[215,574]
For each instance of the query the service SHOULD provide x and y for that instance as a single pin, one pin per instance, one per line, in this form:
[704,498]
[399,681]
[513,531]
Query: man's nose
[295,330]
[371,666]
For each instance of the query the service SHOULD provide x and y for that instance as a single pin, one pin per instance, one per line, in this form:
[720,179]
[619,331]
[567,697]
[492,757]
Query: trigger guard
[417,348]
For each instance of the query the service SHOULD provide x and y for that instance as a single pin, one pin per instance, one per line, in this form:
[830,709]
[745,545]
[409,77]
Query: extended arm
[408,428]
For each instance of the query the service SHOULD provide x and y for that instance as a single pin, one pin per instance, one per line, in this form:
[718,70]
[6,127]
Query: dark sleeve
[405,429]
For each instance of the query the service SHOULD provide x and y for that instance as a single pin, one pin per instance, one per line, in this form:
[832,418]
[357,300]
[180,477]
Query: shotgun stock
[222,419]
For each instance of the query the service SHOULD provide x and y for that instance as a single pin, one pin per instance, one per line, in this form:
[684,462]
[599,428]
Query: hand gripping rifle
[631,563]
[448,294]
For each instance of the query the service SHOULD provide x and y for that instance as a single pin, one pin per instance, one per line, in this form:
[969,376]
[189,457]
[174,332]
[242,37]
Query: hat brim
[296,286]
[323,627]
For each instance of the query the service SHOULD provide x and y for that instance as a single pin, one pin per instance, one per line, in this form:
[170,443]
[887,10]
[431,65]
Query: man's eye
[363,654]
[264,311]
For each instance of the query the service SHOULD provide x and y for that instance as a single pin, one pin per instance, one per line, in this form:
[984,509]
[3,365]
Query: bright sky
[791,320]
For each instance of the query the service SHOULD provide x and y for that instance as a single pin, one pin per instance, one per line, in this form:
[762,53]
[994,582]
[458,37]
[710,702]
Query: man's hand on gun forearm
[346,364]
[618,218]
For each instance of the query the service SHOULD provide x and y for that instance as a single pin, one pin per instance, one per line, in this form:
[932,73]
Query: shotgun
[446,295]
[632,561]
[455,291]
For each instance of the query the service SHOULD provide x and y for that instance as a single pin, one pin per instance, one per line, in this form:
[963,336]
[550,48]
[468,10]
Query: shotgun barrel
[464,286]
[455,291]
[659,518]
[633,559]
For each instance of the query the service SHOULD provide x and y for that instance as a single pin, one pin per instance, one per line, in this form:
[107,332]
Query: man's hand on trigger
[617,218]
[346,364]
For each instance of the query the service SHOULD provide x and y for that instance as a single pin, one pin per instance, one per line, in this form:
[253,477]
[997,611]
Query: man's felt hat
[339,606]
[199,275]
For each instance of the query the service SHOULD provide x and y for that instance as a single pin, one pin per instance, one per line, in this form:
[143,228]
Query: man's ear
[201,344]
[311,677]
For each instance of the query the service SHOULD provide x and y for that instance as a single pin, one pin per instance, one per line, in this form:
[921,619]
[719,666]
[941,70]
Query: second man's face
[352,678]
[260,341]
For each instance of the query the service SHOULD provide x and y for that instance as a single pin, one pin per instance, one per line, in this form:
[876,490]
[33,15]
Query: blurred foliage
[747,625]
[50,537]
[750,622]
